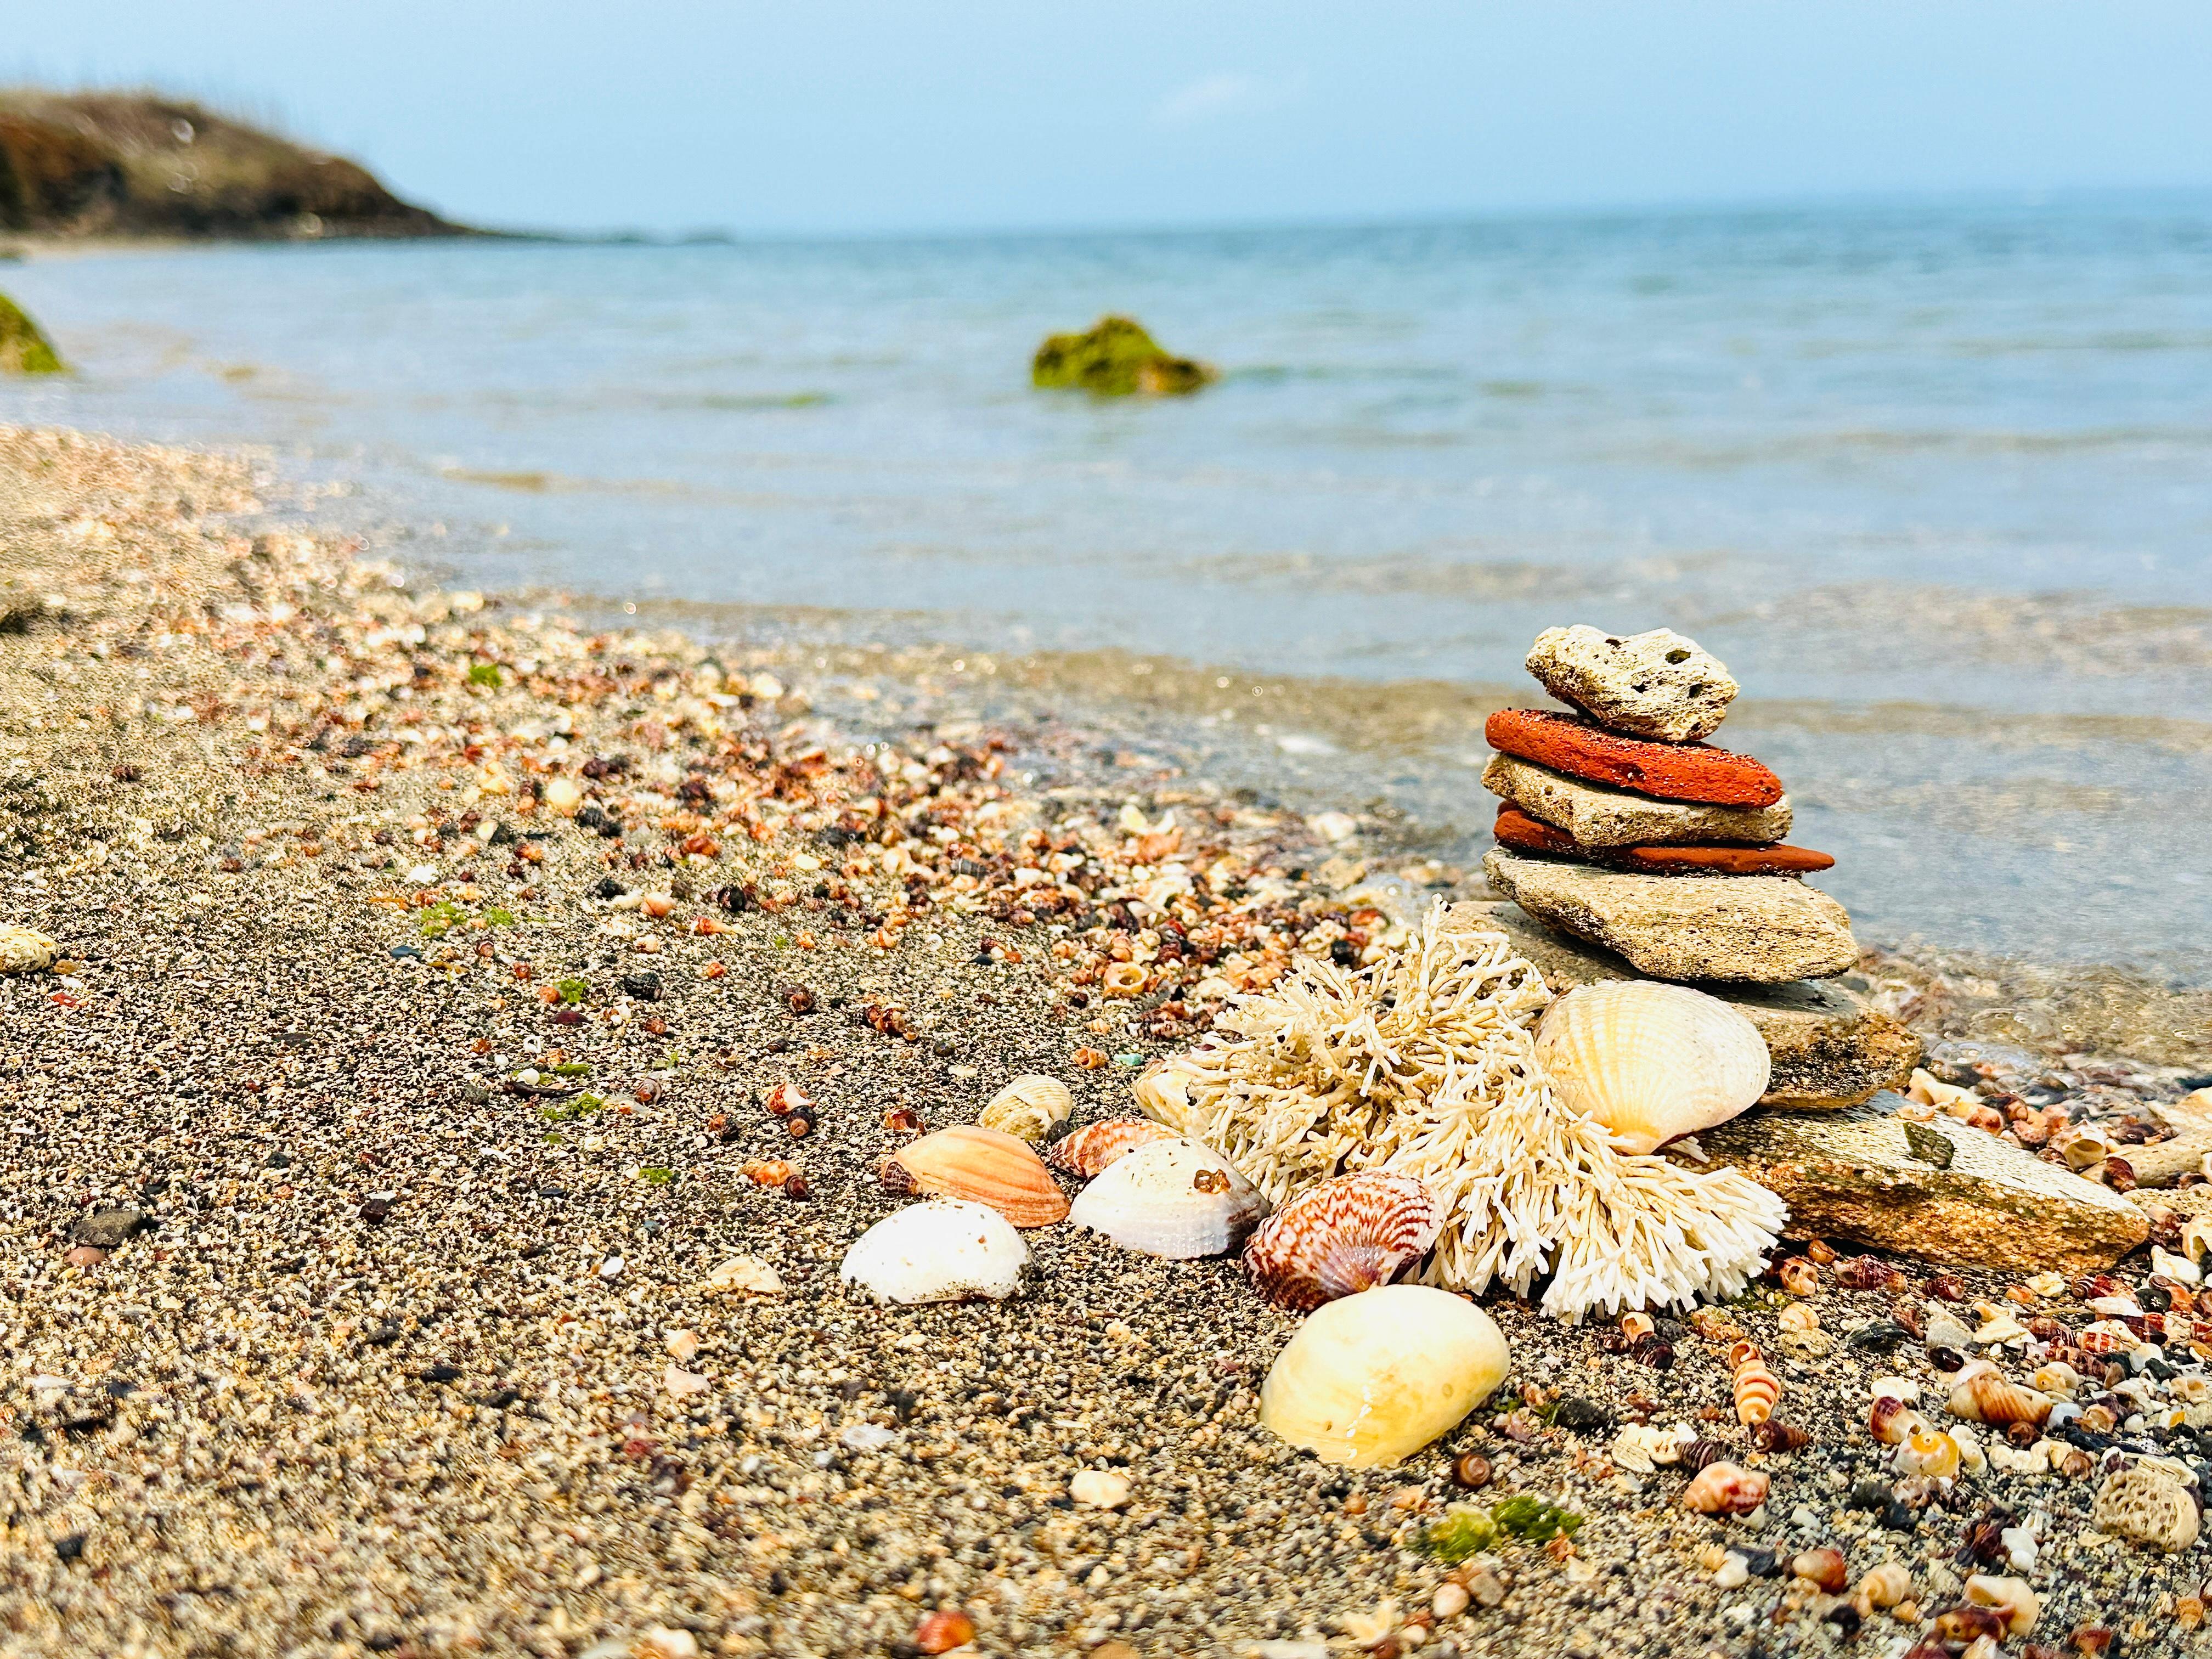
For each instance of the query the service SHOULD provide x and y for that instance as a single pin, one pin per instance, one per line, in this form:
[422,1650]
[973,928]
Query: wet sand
[390,1365]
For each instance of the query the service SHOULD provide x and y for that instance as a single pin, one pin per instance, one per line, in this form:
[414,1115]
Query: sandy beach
[324,1334]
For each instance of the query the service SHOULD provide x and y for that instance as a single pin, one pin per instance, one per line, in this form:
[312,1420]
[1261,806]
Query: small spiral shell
[1797,1276]
[1891,1420]
[1089,1150]
[1723,1488]
[1700,1453]
[1756,1389]
[1869,1272]
[1928,1451]
[1775,1436]
[1980,1393]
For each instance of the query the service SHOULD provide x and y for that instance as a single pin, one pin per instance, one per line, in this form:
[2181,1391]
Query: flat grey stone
[1597,815]
[108,1229]
[1830,1047]
[1764,930]
[1852,1177]
[1658,685]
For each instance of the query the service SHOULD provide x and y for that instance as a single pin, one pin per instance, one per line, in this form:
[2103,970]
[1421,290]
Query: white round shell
[944,1250]
[1031,1107]
[1652,1062]
[1171,1198]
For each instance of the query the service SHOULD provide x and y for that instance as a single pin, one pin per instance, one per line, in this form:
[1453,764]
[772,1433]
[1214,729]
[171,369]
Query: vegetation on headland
[1114,359]
[136,164]
[23,349]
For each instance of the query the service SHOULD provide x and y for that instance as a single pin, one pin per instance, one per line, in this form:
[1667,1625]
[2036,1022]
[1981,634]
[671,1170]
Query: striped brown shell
[1088,1151]
[1869,1272]
[1344,1236]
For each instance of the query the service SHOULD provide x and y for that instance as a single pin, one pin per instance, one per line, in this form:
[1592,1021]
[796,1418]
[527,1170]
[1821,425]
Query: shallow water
[1934,480]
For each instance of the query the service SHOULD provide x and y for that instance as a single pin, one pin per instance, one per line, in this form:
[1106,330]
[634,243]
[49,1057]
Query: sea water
[1934,479]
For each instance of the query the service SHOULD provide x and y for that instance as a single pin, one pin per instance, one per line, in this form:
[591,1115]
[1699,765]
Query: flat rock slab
[1658,685]
[1597,815]
[1830,1047]
[1759,930]
[1853,1177]
[1669,771]
[1517,829]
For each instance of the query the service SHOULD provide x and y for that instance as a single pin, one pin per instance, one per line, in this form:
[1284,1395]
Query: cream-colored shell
[1652,1062]
[1371,1379]
[1163,1094]
[25,950]
[1031,1107]
[944,1250]
[1171,1198]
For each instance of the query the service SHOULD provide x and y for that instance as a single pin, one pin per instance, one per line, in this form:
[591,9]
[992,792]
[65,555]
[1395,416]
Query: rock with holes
[1658,685]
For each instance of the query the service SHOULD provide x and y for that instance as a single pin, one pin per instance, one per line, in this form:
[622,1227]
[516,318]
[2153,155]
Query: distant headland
[113,164]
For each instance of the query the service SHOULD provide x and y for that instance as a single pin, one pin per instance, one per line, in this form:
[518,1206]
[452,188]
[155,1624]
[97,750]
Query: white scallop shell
[23,949]
[1652,1062]
[1171,1198]
[1372,1378]
[1031,1107]
[944,1250]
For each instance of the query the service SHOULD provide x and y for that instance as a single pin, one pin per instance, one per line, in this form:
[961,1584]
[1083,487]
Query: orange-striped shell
[1757,1389]
[1723,1488]
[1928,1451]
[982,1166]
[1891,1420]
[1088,1150]
[1344,1236]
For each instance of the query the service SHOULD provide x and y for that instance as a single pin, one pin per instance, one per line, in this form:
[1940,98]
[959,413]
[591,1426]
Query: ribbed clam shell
[25,950]
[1344,1236]
[983,1165]
[942,1250]
[1652,1062]
[1371,1379]
[1171,1198]
[1030,1106]
[1087,1151]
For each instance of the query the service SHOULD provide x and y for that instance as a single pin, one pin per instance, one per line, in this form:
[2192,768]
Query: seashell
[1123,979]
[1975,1630]
[1171,1198]
[2142,1503]
[2116,1307]
[1980,1393]
[1651,1062]
[1775,1436]
[1635,1326]
[1945,1287]
[1869,1272]
[984,1165]
[1099,1489]
[1798,1317]
[1030,1106]
[943,1630]
[1797,1276]
[944,1249]
[1088,1151]
[2089,1286]
[2196,1237]
[1163,1094]
[25,950]
[1697,1452]
[1372,1378]
[1344,1236]
[1884,1586]
[1756,1388]
[1470,1470]
[1724,1489]
[1891,1421]
[1824,1566]
[1638,1447]
[2009,1597]
[1928,1451]
[1894,1388]
[2180,1267]
[2058,1378]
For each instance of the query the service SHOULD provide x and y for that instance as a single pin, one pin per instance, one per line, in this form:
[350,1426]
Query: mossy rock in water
[1115,358]
[23,350]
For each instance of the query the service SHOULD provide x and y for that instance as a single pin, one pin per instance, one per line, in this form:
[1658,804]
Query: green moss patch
[23,349]
[1115,358]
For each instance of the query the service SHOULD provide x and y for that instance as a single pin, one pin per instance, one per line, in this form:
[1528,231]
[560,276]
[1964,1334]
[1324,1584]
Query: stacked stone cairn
[1622,826]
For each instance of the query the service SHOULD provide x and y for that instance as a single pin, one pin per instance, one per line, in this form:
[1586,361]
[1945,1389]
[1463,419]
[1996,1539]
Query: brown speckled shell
[1343,1237]
[1869,1272]
[1088,1151]
[1723,1488]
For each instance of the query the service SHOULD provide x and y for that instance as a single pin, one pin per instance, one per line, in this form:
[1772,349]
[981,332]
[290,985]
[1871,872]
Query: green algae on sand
[1114,358]
[23,349]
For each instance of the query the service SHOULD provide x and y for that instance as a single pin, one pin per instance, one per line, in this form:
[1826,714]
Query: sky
[805,116]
